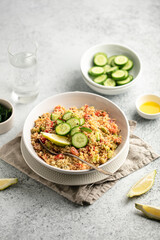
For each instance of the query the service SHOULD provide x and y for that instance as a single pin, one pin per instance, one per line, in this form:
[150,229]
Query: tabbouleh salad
[86,132]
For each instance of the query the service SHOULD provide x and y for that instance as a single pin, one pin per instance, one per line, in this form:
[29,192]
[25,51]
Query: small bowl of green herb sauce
[6,116]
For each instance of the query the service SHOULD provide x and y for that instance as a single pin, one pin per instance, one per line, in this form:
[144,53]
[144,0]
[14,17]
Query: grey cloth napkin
[140,154]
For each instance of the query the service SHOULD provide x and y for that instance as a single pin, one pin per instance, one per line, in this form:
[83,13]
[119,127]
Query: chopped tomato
[57,108]
[118,140]
[51,124]
[43,139]
[113,129]
[98,113]
[86,106]
[59,156]
[74,151]
[86,116]
[104,114]
[87,148]
[79,165]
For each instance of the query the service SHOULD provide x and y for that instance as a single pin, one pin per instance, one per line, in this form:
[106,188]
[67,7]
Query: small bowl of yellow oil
[148,106]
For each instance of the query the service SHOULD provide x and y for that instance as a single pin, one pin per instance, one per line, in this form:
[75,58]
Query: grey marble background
[64,30]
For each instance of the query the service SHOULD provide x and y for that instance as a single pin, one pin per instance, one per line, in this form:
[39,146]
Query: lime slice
[6,182]
[143,185]
[57,140]
[149,211]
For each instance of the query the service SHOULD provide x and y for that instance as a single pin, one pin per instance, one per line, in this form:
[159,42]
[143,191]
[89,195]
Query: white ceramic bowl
[77,99]
[7,125]
[147,98]
[110,49]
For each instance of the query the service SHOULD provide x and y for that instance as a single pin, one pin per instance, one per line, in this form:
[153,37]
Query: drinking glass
[23,59]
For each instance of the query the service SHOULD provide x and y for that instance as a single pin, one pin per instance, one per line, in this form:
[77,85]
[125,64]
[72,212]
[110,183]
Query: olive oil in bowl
[150,107]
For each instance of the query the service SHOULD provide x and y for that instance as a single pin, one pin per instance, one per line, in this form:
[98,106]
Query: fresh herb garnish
[5,113]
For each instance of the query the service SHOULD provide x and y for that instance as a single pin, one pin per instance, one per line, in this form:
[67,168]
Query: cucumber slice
[127,80]
[113,63]
[96,71]
[79,140]
[110,83]
[82,121]
[54,116]
[75,130]
[111,58]
[90,72]
[100,79]
[126,74]
[59,121]
[67,116]
[100,59]
[57,140]
[85,129]
[73,122]
[106,68]
[118,75]
[128,66]
[120,60]
[62,129]
[112,69]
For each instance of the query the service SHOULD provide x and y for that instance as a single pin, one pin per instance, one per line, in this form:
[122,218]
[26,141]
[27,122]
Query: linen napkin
[140,154]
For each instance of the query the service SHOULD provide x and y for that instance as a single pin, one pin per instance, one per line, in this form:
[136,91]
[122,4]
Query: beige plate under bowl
[70,179]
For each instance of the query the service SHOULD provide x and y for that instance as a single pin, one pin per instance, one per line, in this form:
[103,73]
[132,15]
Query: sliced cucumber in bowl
[125,81]
[100,79]
[100,59]
[110,82]
[120,60]
[111,71]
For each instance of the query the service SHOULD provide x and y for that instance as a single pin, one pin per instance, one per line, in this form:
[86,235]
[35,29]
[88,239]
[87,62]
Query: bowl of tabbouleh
[83,124]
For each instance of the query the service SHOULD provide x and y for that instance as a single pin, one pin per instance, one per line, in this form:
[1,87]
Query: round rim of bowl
[74,171]
[12,114]
[143,113]
[105,87]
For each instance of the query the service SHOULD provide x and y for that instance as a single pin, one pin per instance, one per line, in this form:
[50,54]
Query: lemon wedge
[57,140]
[143,185]
[149,211]
[6,182]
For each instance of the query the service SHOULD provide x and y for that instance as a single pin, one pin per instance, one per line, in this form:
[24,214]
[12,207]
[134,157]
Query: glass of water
[22,57]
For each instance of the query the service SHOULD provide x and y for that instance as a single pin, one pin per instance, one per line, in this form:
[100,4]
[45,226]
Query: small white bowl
[7,125]
[110,49]
[147,98]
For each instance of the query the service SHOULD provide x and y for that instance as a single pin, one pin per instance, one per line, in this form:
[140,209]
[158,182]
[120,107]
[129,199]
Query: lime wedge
[149,211]
[143,185]
[6,182]
[57,140]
